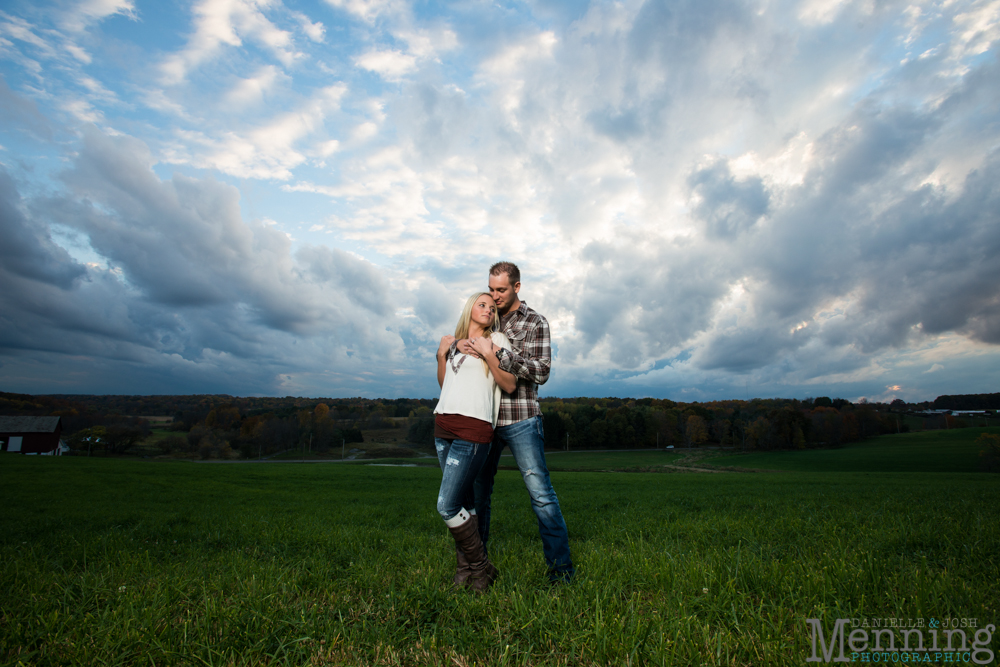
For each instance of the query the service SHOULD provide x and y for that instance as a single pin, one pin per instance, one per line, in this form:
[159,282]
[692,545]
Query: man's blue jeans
[460,463]
[526,440]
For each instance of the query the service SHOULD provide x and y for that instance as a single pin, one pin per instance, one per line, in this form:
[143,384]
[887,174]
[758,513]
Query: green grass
[582,461]
[928,451]
[128,562]
[643,461]
[151,445]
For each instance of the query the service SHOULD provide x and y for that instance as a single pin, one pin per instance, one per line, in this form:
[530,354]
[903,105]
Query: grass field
[628,461]
[140,562]
[636,461]
[927,451]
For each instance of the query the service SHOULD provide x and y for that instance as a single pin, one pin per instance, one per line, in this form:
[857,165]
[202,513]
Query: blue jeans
[460,463]
[526,440]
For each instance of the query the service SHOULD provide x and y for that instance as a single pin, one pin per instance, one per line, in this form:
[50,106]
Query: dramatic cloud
[706,199]
[187,282]
[27,249]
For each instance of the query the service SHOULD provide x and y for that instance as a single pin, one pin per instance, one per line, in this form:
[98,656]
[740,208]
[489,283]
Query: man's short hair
[510,268]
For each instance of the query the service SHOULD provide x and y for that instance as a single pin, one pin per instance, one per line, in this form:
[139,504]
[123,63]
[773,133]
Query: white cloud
[314,31]
[80,54]
[87,12]
[364,131]
[83,111]
[511,60]
[15,27]
[818,12]
[270,150]
[977,29]
[424,43]
[222,23]
[159,100]
[325,149]
[427,43]
[253,89]
[369,10]
[390,65]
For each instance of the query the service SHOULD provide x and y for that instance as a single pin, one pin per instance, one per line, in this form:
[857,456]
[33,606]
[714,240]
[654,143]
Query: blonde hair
[465,321]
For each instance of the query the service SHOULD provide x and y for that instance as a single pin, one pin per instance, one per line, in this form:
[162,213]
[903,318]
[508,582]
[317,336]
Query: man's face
[503,292]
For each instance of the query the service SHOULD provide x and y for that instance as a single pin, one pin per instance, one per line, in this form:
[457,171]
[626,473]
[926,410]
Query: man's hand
[445,345]
[466,347]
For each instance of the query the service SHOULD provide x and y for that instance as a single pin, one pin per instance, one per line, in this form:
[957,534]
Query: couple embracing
[489,373]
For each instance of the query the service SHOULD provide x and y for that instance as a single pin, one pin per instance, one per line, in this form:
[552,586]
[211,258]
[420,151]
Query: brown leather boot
[462,569]
[482,572]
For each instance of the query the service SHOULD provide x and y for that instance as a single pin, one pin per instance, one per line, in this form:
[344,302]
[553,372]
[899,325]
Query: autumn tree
[421,427]
[87,439]
[119,438]
[224,418]
[661,425]
[696,431]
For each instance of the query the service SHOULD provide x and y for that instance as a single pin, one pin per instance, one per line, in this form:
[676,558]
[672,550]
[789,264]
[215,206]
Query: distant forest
[220,425]
[216,425]
[968,402]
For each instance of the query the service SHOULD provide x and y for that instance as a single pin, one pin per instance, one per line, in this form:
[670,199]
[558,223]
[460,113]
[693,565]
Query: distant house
[31,435]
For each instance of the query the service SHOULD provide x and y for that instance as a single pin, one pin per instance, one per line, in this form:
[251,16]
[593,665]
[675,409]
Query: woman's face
[484,310]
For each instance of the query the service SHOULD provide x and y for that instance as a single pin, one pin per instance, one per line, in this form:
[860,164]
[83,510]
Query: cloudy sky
[706,199]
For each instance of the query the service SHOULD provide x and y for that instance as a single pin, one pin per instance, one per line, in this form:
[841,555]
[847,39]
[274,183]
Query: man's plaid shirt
[529,360]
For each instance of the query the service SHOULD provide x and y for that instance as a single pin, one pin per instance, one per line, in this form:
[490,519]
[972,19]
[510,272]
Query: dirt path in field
[690,463]
[693,469]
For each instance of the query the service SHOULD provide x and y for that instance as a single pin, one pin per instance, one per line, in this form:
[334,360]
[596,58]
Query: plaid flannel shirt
[529,360]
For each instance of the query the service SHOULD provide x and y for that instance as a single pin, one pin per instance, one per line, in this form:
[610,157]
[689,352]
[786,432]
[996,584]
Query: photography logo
[951,641]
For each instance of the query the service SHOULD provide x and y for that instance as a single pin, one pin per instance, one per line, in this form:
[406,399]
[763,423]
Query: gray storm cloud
[188,287]
[183,243]
[26,249]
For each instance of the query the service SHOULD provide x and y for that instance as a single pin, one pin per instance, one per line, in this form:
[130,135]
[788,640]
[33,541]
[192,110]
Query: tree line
[215,426]
[758,424]
[968,402]
[225,426]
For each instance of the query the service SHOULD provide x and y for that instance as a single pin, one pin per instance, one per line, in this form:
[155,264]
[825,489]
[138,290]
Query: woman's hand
[446,342]
[482,345]
[465,347]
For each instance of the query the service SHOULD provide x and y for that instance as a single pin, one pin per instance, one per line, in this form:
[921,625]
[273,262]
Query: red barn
[31,435]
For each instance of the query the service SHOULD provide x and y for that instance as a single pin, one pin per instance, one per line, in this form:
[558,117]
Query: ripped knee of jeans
[452,461]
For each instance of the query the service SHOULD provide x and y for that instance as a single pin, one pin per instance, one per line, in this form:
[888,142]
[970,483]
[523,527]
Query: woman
[463,429]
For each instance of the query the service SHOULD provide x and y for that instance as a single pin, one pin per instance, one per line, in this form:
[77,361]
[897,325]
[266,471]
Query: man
[519,425]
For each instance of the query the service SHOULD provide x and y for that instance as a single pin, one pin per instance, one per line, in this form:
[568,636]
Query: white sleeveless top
[469,389]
